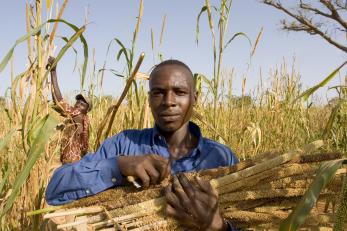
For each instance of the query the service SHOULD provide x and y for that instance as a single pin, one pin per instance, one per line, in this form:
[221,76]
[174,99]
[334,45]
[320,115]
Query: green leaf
[197,31]
[333,114]
[44,210]
[235,36]
[74,50]
[325,174]
[124,50]
[9,54]
[33,131]
[84,42]
[206,80]
[34,31]
[120,53]
[310,91]
[63,50]
[35,151]
[113,71]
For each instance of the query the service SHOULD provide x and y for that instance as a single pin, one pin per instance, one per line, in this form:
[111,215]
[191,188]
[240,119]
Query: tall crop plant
[30,114]
[219,45]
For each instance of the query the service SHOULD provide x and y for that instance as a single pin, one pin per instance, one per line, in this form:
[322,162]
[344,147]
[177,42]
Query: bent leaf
[235,36]
[197,31]
[310,91]
[325,174]
[123,49]
[37,29]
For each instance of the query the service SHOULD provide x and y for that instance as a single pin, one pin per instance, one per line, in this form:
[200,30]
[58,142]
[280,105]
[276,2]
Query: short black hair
[171,62]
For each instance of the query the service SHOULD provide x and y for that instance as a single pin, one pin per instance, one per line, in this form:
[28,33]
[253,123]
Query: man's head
[172,94]
[83,104]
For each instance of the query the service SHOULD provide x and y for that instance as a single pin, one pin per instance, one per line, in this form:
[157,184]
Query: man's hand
[194,206]
[151,169]
[50,62]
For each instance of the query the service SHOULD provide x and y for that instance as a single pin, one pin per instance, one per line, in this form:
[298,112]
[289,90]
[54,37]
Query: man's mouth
[169,117]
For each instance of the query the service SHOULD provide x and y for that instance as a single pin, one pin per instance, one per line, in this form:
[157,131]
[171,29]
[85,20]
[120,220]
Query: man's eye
[181,92]
[156,93]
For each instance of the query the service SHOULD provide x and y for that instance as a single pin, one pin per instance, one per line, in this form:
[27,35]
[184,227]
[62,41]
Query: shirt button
[87,191]
[114,180]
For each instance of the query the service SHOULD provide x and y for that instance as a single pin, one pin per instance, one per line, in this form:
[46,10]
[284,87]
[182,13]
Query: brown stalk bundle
[252,194]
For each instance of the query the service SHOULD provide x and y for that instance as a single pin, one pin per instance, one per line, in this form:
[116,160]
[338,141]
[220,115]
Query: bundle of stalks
[254,195]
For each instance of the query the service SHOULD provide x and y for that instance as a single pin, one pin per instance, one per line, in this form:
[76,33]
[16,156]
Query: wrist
[218,224]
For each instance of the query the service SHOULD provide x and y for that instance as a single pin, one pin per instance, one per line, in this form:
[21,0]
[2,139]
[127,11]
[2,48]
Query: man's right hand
[50,62]
[150,169]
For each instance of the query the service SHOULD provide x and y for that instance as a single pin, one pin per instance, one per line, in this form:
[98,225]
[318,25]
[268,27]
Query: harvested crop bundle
[252,195]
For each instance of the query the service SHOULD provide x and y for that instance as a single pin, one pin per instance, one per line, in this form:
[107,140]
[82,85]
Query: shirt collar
[193,129]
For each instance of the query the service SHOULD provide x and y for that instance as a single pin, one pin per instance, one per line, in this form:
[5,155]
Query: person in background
[75,138]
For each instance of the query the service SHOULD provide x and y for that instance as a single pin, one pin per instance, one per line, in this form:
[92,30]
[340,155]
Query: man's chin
[169,127]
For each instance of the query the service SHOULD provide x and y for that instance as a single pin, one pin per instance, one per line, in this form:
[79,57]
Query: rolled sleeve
[84,178]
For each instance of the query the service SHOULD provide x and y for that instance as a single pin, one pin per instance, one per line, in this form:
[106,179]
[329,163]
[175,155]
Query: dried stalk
[228,179]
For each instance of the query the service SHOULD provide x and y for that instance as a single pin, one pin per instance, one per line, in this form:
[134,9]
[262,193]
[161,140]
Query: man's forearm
[56,94]
[83,178]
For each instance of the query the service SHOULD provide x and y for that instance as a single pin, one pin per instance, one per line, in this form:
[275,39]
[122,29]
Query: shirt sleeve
[66,109]
[85,135]
[92,174]
[232,157]
[231,227]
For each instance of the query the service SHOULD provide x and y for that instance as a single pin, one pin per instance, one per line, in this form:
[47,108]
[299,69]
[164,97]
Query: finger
[188,188]
[142,174]
[181,216]
[165,170]
[162,165]
[206,186]
[159,158]
[153,174]
[172,199]
[185,202]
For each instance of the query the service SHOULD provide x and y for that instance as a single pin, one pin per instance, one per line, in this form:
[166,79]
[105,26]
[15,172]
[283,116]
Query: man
[174,145]
[75,138]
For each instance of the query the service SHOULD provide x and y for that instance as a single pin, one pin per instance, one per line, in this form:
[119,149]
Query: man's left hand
[194,206]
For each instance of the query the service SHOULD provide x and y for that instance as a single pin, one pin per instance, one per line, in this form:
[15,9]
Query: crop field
[272,117]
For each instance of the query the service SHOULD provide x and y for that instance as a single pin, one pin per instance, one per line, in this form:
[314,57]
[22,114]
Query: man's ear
[149,98]
[196,96]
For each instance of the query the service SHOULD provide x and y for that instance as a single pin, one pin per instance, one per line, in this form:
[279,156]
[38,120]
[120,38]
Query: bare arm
[56,94]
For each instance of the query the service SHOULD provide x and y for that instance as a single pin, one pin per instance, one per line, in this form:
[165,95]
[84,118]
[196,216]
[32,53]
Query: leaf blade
[324,176]
[305,95]
[34,153]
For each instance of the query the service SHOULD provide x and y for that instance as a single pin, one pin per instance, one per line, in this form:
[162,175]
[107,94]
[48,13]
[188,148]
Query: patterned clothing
[75,139]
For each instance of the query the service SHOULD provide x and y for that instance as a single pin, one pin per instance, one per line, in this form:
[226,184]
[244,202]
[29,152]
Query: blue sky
[315,58]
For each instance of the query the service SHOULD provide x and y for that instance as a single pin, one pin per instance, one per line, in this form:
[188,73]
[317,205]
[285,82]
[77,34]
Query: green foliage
[43,134]
[324,175]
[326,80]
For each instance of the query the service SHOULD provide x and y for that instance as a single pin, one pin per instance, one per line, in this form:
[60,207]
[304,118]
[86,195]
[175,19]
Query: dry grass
[248,128]
[265,119]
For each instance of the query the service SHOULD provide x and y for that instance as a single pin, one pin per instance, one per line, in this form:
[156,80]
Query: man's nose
[169,99]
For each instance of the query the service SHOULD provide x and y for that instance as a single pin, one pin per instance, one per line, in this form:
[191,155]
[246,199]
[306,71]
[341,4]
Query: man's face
[171,97]
[82,106]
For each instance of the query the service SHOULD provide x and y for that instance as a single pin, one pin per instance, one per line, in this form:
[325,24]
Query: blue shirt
[98,171]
